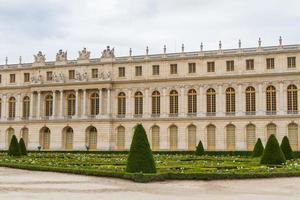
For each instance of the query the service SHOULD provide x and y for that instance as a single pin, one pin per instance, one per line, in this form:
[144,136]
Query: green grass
[169,166]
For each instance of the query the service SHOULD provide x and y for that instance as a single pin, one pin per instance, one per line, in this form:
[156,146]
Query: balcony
[250,113]
[173,115]
[138,115]
[192,114]
[271,112]
[210,114]
[292,112]
[230,113]
[155,115]
[121,116]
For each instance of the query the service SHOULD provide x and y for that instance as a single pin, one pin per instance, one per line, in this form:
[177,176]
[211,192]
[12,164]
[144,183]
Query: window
[270,63]
[155,70]
[71,101]
[210,66]
[48,105]
[192,68]
[68,138]
[293,135]
[250,137]
[155,103]
[211,137]
[12,107]
[271,99]
[250,64]
[24,135]
[138,103]
[0,78]
[192,101]
[292,99]
[138,71]
[71,74]
[191,137]
[271,130]
[26,77]
[121,71]
[26,107]
[230,65]
[91,138]
[230,137]
[173,139]
[155,138]
[94,104]
[49,75]
[120,143]
[291,62]
[230,101]
[173,69]
[211,101]
[12,78]
[173,102]
[121,104]
[94,73]
[250,101]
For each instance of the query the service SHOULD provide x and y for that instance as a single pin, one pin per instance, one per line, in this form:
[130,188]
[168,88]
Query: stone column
[164,103]
[4,100]
[260,101]
[100,102]
[84,104]
[280,97]
[54,104]
[128,104]
[61,103]
[219,101]
[77,103]
[18,107]
[239,101]
[146,103]
[108,102]
[38,115]
[199,101]
[182,102]
[31,105]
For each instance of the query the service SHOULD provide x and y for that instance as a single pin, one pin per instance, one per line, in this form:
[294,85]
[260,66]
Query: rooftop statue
[61,56]
[108,53]
[84,54]
[39,58]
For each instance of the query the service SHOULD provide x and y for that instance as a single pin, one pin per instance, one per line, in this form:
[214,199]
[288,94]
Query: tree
[199,149]
[23,147]
[14,147]
[273,154]
[286,148]
[258,148]
[140,158]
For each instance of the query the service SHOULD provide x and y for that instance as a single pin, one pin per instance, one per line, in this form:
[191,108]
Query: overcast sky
[27,26]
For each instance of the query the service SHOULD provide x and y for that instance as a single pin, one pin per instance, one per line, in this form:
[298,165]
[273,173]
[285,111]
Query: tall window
[24,135]
[291,61]
[155,138]
[155,69]
[211,137]
[230,137]
[138,103]
[250,136]
[250,64]
[94,104]
[271,99]
[95,73]
[45,138]
[230,65]
[192,101]
[71,74]
[192,68]
[173,137]
[210,66]
[12,107]
[138,71]
[292,99]
[12,78]
[121,71]
[250,100]
[49,76]
[48,105]
[120,143]
[191,137]
[293,135]
[271,130]
[121,104]
[91,138]
[211,101]
[173,102]
[270,63]
[155,103]
[26,77]
[68,138]
[26,107]
[230,100]
[173,69]
[71,99]
[10,133]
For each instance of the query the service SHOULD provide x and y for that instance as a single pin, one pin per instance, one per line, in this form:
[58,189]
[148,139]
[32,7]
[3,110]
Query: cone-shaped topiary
[286,148]
[140,158]
[200,150]
[23,147]
[14,148]
[273,154]
[258,149]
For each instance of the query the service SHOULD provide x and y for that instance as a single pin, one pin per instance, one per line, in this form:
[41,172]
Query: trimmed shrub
[23,147]
[200,150]
[14,147]
[258,149]
[286,148]
[273,154]
[140,158]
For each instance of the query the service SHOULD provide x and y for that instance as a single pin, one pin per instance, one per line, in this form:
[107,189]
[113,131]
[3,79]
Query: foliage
[273,154]
[200,150]
[140,158]
[258,149]
[14,147]
[23,147]
[286,148]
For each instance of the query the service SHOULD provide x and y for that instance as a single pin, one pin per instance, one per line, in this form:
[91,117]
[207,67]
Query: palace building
[227,98]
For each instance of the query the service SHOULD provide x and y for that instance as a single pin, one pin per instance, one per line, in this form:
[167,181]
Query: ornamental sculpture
[61,56]
[84,54]
[108,53]
[58,77]
[36,79]
[39,58]
[81,77]
[104,76]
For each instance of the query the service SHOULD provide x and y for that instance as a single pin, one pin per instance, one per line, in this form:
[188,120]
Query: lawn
[169,166]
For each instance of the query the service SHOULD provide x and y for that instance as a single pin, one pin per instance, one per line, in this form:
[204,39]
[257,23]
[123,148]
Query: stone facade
[77,104]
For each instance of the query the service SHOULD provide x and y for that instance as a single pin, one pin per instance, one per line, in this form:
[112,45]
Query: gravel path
[21,184]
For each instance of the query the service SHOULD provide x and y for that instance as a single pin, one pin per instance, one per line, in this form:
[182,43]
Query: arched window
[191,137]
[271,99]
[94,104]
[192,101]
[121,104]
[155,138]
[292,99]
[91,138]
[250,101]
[155,103]
[174,102]
[45,138]
[173,139]
[24,135]
[230,137]
[12,107]
[26,107]
[138,103]
[120,138]
[293,135]
[10,133]
[68,138]
[48,105]
[250,136]
[211,101]
[230,100]
[271,129]
[211,137]
[71,99]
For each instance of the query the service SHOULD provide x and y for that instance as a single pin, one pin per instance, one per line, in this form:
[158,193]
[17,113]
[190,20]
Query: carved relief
[58,77]
[81,77]
[36,79]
